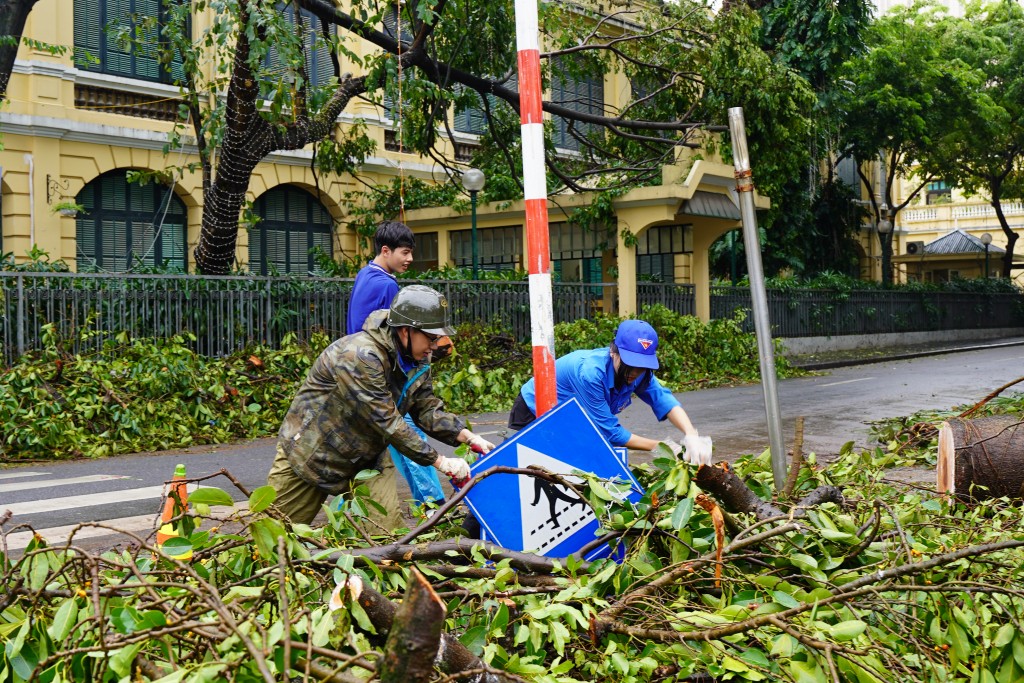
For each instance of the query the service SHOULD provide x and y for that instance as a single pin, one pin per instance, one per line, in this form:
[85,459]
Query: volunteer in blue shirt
[375,288]
[604,381]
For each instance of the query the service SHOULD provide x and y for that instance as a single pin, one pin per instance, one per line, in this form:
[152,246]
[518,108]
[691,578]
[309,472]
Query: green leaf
[475,639]
[1004,636]
[63,620]
[176,546]
[210,495]
[359,614]
[960,646]
[265,533]
[806,672]
[262,498]
[805,562]
[121,659]
[681,515]
[254,407]
[785,599]
[848,630]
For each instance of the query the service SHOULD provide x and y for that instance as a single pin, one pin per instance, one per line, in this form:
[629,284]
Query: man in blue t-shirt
[604,381]
[375,287]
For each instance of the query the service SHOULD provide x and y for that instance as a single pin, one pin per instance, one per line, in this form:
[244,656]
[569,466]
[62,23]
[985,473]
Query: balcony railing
[948,212]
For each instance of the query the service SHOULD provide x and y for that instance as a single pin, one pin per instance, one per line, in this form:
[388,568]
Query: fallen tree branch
[452,655]
[415,635]
[797,462]
[875,583]
[441,550]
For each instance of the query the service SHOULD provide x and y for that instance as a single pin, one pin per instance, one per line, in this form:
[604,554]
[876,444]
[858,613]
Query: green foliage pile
[894,584]
[692,354]
[140,395]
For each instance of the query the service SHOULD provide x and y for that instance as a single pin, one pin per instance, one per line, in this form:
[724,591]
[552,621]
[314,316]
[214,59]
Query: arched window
[127,225]
[293,223]
[101,30]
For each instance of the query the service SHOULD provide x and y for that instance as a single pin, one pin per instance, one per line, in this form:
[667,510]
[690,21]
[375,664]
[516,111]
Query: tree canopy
[982,148]
[895,102]
[685,65]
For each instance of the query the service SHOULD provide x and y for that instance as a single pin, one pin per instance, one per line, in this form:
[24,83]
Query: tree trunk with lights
[13,14]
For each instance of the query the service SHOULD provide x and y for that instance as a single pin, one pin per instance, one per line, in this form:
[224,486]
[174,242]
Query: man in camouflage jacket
[350,408]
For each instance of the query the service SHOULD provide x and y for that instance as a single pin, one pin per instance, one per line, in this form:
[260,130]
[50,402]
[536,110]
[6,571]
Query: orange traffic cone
[175,504]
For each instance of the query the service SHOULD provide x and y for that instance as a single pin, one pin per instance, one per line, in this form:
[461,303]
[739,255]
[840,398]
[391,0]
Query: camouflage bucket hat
[423,308]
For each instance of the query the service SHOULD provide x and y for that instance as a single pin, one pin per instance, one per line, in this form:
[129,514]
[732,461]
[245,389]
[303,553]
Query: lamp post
[986,239]
[884,227]
[473,180]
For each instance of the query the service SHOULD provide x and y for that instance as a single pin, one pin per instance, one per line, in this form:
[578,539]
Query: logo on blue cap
[637,343]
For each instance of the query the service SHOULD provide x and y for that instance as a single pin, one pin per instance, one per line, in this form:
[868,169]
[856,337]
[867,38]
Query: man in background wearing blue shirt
[604,381]
[375,287]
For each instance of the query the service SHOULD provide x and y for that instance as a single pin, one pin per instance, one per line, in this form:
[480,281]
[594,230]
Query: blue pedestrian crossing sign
[520,512]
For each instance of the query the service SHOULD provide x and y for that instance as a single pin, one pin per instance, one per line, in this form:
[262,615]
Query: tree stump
[982,458]
[415,635]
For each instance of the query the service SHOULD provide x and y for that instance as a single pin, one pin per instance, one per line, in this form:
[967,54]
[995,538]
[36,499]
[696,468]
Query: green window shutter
[172,246]
[88,19]
[256,250]
[117,58]
[147,55]
[277,250]
[293,222]
[471,119]
[113,245]
[318,52]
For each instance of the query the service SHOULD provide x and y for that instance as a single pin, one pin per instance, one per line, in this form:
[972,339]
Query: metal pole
[986,261]
[758,297]
[472,202]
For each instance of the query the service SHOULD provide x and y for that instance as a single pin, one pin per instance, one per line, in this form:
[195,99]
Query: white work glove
[454,468]
[480,444]
[698,449]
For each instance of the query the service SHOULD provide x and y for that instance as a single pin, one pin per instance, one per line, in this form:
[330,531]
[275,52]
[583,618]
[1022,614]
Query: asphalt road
[125,491]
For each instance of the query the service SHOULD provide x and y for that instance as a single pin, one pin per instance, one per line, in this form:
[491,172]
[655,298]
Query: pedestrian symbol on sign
[550,519]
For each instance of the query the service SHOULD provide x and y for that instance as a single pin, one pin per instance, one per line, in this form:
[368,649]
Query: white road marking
[31,507]
[847,381]
[140,525]
[21,473]
[46,483]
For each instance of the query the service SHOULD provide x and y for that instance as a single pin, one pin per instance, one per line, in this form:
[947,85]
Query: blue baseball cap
[637,343]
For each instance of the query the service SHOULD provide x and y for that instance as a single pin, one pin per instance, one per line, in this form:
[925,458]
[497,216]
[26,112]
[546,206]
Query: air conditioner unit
[915,248]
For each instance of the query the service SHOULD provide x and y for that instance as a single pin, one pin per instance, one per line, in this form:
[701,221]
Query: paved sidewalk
[842,359]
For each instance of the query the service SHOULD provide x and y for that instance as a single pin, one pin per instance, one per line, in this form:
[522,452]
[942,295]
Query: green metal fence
[225,314]
[815,312]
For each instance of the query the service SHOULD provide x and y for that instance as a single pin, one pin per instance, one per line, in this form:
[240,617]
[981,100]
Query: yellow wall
[46,135]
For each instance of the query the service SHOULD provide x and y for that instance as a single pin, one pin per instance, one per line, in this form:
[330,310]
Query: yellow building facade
[922,231]
[71,129]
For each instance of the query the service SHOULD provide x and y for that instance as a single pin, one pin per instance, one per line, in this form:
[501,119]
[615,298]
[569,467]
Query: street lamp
[884,227]
[986,239]
[473,180]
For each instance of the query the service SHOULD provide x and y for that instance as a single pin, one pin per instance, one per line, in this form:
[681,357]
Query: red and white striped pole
[542,323]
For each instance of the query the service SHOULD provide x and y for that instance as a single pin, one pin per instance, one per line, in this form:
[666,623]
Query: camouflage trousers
[301,501]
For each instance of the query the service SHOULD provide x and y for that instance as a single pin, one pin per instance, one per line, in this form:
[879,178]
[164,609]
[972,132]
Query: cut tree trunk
[453,657]
[415,635]
[981,458]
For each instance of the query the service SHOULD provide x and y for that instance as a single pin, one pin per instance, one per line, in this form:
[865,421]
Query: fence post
[21,315]
[270,335]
